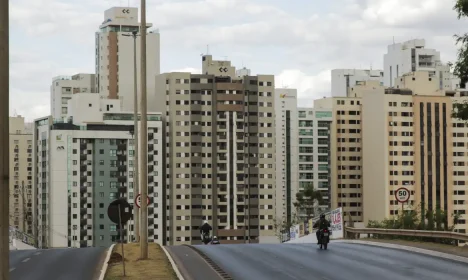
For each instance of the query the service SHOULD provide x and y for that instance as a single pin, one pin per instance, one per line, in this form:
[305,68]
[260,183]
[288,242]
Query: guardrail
[19,235]
[407,232]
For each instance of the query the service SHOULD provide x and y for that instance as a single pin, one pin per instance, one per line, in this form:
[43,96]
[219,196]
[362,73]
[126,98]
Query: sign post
[119,213]
[138,201]
[402,195]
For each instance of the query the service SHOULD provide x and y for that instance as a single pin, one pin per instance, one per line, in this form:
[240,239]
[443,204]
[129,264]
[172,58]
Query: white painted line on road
[26,260]
[11,269]
[104,267]
[174,266]
[37,254]
[411,249]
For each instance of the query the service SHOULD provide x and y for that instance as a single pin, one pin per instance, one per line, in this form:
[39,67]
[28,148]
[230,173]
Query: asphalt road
[341,261]
[56,264]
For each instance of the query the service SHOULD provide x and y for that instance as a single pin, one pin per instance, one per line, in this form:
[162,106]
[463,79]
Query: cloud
[57,37]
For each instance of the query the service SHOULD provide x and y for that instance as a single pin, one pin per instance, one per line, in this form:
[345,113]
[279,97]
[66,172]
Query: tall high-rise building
[21,169]
[344,79]
[314,149]
[114,57]
[383,139]
[82,165]
[220,153]
[287,149]
[412,56]
[63,88]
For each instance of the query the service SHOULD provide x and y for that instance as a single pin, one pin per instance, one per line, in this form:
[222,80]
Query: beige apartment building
[220,153]
[21,175]
[386,138]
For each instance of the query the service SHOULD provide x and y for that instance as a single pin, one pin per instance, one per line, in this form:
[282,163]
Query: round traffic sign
[402,195]
[125,211]
[138,201]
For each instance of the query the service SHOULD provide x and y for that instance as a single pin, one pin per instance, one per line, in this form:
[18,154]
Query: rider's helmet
[322,216]
[215,238]
[205,222]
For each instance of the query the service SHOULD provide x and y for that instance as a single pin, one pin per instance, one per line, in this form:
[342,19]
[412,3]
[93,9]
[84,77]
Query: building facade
[220,153]
[287,149]
[402,137]
[413,56]
[115,57]
[86,163]
[21,169]
[314,149]
[344,79]
[63,88]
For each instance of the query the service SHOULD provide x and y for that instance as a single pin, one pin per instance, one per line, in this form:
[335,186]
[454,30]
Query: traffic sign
[138,200]
[119,209]
[402,195]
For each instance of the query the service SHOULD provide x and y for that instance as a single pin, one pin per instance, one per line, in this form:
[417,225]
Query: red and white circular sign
[138,200]
[402,195]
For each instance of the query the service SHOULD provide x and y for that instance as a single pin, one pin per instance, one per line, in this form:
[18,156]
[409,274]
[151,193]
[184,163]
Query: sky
[299,41]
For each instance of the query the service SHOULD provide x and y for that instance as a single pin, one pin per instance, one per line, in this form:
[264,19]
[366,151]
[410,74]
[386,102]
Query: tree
[460,67]
[306,200]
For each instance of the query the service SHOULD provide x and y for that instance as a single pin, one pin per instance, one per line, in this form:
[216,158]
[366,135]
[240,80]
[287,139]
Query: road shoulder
[191,265]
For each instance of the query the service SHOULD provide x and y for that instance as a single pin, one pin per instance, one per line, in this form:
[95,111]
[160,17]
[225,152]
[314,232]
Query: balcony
[83,200]
[83,156]
[83,221]
[83,232]
[83,211]
[123,189]
[122,167]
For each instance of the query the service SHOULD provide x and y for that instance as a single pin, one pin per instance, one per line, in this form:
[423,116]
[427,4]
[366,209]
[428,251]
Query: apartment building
[344,79]
[314,149]
[287,149]
[21,169]
[82,165]
[220,153]
[63,88]
[413,56]
[115,57]
[387,138]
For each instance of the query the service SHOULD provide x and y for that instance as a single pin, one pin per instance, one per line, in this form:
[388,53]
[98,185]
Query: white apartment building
[287,148]
[115,57]
[412,56]
[21,168]
[343,79]
[314,149]
[63,88]
[219,153]
[82,165]
[401,137]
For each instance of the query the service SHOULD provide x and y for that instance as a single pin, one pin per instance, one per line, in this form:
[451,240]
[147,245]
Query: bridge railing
[406,232]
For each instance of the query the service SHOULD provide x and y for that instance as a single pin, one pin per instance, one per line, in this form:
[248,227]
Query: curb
[174,266]
[104,267]
[411,249]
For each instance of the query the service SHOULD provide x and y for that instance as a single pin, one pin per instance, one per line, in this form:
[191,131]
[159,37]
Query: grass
[157,266]
[443,248]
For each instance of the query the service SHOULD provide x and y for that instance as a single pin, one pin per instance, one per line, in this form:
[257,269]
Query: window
[101,162]
[113,153]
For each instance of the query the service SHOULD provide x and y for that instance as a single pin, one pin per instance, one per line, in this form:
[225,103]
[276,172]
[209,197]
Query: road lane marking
[37,254]
[26,260]
[11,269]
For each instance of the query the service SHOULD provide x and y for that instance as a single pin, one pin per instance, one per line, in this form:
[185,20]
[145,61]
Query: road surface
[191,265]
[342,261]
[56,264]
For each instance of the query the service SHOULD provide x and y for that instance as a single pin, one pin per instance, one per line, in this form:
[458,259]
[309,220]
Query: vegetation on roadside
[157,266]
[306,199]
[433,220]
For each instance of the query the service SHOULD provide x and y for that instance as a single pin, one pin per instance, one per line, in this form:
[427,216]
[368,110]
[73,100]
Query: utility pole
[4,142]
[136,219]
[144,139]
[136,210]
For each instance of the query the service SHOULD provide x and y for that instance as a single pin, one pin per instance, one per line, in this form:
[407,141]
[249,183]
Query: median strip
[157,266]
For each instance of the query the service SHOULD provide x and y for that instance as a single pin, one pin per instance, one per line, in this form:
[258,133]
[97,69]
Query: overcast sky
[299,41]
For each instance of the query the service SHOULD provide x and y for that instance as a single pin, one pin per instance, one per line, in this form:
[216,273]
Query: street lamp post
[136,210]
[4,142]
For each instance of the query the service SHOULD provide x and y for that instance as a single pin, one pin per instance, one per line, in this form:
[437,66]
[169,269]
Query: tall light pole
[144,138]
[4,142]
[136,210]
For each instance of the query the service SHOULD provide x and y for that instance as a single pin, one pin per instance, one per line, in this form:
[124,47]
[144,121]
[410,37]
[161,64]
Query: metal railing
[406,232]
[19,235]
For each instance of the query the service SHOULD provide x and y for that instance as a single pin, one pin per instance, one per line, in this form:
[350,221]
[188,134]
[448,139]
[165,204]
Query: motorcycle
[324,239]
[206,239]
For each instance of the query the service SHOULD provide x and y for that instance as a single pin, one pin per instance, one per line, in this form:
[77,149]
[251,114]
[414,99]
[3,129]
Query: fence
[405,232]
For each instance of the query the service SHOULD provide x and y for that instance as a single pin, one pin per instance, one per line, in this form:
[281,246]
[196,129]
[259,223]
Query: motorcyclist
[215,241]
[321,224]
[205,230]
